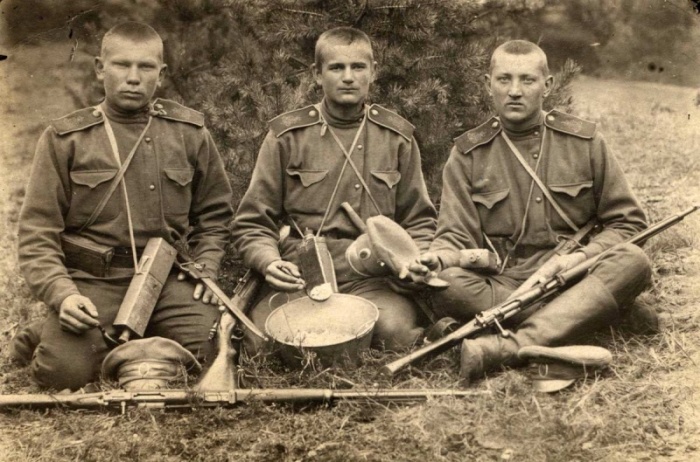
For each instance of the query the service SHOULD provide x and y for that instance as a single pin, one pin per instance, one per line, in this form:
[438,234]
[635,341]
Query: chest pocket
[576,200]
[308,191]
[383,187]
[494,213]
[177,190]
[87,189]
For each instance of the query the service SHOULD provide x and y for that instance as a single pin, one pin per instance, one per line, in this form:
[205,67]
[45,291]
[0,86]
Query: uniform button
[152,187]
[550,118]
[359,146]
[374,112]
[538,199]
[535,156]
[312,113]
[357,186]
[494,125]
[96,113]
[537,133]
[147,139]
[159,106]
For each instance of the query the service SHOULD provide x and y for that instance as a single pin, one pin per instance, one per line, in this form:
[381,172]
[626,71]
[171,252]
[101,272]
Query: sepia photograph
[350,230]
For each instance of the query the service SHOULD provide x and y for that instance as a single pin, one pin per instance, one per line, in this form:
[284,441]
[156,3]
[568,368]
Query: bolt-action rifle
[182,399]
[540,292]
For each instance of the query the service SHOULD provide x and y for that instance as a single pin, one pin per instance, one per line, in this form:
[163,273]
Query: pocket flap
[572,190]
[391,177]
[91,178]
[308,177]
[490,198]
[181,176]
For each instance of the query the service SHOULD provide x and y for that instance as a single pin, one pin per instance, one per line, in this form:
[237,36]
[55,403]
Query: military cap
[555,368]
[150,363]
[385,249]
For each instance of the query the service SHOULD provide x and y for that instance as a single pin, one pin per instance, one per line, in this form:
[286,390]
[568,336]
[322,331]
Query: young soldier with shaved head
[175,188]
[517,185]
[302,177]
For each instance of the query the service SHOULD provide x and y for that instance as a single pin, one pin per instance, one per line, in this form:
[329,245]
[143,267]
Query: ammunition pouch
[83,254]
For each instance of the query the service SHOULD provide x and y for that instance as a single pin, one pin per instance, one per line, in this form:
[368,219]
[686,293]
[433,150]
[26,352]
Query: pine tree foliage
[242,62]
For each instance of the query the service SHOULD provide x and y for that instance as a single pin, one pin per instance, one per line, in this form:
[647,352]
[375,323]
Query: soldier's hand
[553,266]
[77,314]
[206,295]
[284,275]
[427,262]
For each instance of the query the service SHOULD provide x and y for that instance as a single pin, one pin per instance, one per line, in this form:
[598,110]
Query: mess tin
[335,331]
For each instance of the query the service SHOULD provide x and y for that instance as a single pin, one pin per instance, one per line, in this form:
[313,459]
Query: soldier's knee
[59,372]
[638,260]
[395,334]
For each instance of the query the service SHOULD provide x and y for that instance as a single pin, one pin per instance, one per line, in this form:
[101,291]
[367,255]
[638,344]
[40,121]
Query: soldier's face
[518,87]
[346,73]
[131,72]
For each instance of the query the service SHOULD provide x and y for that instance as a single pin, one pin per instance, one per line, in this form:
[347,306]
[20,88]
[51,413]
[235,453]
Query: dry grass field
[645,408]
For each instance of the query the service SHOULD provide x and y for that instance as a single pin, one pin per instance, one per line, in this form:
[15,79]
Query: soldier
[175,181]
[302,176]
[518,184]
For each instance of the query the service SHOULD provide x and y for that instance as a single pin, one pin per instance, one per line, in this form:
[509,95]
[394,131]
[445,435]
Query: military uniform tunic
[296,172]
[177,188]
[486,199]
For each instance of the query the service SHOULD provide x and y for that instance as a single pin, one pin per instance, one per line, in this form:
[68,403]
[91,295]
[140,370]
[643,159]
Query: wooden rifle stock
[222,373]
[493,316]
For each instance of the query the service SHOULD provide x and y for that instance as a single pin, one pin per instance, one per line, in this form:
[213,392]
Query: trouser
[65,360]
[625,272]
[396,329]
[592,303]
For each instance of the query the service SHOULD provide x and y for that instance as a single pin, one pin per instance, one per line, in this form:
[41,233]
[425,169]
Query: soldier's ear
[374,71]
[548,85]
[317,73]
[161,74]
[487,83]
[99,68]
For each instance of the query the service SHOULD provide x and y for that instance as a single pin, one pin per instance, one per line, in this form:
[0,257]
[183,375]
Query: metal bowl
[334,331]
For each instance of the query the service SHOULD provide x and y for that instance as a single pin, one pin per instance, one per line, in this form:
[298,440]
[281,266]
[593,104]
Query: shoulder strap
[478,136]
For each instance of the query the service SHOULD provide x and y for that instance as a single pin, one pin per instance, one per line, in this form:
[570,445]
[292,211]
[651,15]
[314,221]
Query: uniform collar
[124,117]
[336,121]
[528,131]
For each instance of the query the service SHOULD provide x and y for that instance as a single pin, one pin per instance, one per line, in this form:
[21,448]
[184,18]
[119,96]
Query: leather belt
[123,257]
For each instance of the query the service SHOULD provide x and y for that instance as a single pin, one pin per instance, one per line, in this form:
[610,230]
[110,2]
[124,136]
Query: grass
[644,408]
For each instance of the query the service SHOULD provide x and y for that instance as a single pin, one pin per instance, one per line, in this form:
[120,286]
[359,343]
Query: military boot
[25,341]
[577,312]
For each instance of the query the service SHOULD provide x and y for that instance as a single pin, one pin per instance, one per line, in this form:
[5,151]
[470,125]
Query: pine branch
[309,13]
